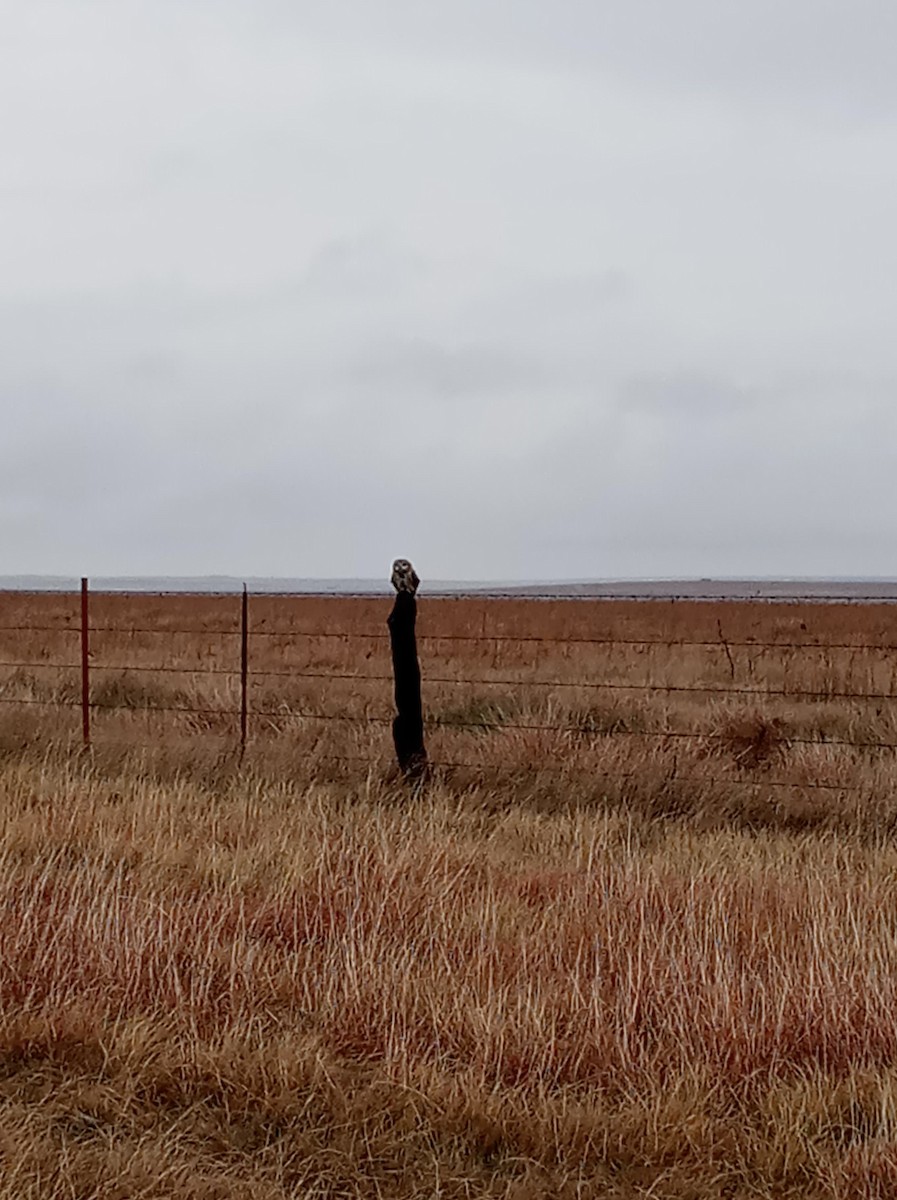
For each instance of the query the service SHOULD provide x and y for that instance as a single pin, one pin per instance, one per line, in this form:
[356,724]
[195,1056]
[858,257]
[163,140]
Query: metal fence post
[244,669]
[85,664]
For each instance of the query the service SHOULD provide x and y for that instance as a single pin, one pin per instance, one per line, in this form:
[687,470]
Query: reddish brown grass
[614,695]
[287,977]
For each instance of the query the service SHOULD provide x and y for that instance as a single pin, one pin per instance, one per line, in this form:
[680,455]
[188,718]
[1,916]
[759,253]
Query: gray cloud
[289,289]
[687,396]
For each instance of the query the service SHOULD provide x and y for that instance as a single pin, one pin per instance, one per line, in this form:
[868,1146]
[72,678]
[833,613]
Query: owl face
[404,577]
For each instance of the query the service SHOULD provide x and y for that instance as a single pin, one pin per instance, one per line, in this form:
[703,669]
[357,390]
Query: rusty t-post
[85,664]
[244,670]
[408,725]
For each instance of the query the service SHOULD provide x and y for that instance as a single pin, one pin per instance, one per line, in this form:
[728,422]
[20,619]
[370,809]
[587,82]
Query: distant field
[825,590]
[656,702]
[593,961]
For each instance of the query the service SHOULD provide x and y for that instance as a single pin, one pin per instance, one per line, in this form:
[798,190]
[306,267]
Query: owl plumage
[404,577]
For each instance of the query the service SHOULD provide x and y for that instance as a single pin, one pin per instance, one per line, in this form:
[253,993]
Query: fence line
[575,684]
[486,638]
[479,768]
[498,726]
[88,705]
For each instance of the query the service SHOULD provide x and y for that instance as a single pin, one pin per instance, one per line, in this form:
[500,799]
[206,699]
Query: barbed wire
[796,693]
[580,730]
[531,639]
[577,730]
[159,629]
[719,643]
[124,668]
[489,638]
[499,726]
[383,763]
[39,629]
[452,681]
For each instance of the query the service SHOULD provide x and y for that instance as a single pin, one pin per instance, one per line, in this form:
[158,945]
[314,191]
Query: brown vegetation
[591,962]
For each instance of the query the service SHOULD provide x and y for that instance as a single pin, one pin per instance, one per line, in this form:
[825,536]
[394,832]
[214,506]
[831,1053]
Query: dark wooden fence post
[85,665]
[408,725]
[244,669]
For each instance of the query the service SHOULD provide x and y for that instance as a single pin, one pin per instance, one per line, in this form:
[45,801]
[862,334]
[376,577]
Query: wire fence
[251,720]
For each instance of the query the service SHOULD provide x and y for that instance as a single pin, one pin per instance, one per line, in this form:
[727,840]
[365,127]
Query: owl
[404,576]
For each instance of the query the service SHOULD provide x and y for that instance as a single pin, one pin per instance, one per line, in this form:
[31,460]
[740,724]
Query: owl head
[404,577]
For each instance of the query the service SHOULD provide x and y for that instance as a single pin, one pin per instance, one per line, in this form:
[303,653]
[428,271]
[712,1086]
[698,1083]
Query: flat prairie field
[634,936]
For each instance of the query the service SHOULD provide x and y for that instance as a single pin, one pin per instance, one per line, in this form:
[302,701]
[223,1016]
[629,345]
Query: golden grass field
[589,962]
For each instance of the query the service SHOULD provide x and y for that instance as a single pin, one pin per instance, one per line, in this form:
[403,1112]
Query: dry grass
[596,713]
[288,977]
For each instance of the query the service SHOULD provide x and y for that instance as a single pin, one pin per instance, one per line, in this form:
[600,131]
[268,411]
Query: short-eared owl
[404,576]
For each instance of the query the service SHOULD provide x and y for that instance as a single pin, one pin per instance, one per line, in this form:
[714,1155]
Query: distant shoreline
[783,590]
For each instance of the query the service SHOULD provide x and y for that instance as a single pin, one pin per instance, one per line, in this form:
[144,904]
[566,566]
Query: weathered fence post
[244,669]
[408,725]
[85,665]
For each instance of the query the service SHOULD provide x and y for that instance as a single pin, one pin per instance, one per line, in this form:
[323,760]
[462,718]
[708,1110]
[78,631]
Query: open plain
[636,936]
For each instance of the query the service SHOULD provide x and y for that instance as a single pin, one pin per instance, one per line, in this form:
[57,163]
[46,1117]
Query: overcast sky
[518,290]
